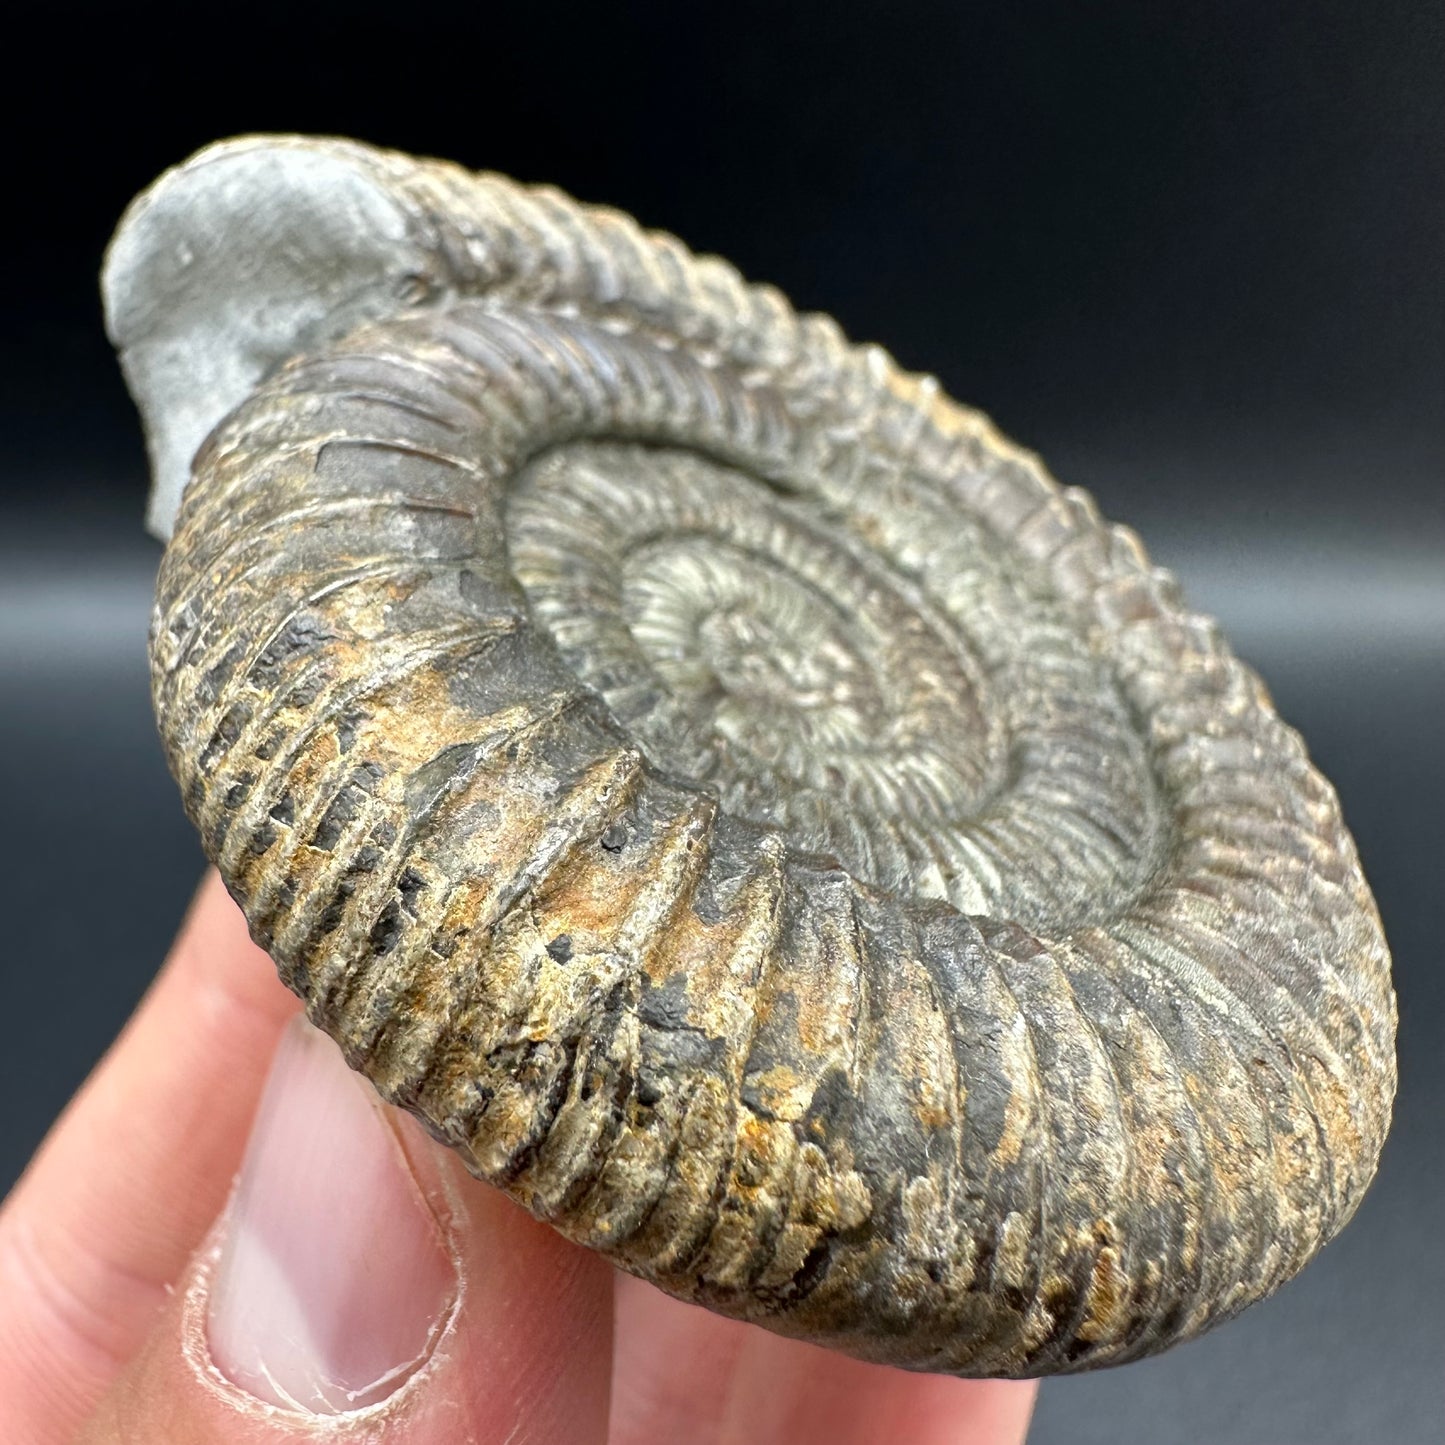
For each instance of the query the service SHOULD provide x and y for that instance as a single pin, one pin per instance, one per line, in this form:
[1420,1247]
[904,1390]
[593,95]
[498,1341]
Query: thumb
[359,1285]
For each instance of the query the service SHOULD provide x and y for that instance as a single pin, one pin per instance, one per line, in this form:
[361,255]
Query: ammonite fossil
[724,789]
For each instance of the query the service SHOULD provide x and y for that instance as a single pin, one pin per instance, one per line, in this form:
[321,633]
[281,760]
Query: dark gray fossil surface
[725,789]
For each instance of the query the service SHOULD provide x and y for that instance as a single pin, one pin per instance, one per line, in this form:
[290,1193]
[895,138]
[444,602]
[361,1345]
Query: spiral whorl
[746,808]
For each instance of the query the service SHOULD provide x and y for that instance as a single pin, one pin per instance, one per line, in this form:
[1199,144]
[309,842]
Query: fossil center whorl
[792,660]
[726,790]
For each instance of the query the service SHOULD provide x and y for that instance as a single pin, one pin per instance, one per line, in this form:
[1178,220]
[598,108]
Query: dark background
[1190,254]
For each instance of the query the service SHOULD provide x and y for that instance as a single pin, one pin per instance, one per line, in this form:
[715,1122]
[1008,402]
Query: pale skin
[102,1281]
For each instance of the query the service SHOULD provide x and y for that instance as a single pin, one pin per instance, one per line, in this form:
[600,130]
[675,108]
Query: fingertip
[358,1280]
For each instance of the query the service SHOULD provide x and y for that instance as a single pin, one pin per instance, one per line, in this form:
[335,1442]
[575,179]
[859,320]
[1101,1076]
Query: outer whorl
[723,788]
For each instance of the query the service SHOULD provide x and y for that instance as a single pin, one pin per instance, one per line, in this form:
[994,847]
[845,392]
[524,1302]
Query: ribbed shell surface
[762,822]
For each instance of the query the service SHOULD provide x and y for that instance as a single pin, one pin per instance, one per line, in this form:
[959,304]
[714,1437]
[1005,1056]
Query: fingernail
[333,1279]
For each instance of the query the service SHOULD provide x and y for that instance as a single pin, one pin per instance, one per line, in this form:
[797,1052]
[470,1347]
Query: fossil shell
[724,789]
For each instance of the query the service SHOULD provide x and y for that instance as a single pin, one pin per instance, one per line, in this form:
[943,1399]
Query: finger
[683,1374]
[359,1286]
[673,1368]
[133,1173]
[789,1393]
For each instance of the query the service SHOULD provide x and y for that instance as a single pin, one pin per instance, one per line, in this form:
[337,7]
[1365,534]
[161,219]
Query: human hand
[355,1284]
